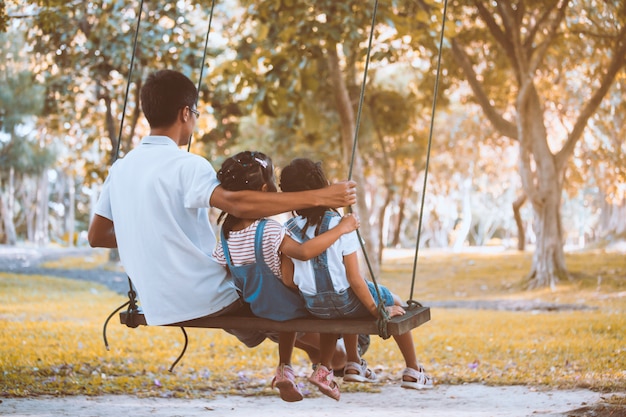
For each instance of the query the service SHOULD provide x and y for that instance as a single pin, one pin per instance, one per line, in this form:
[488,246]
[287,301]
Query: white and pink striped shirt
[241,245]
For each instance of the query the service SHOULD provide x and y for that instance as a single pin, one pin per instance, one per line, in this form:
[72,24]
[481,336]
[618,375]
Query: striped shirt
[241,246]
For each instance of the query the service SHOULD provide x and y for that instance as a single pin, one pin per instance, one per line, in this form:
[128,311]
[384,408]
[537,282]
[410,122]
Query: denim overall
[327,303]
[268,297]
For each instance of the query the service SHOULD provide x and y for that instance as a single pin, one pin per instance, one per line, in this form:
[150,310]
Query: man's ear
[184,115]
[264,188]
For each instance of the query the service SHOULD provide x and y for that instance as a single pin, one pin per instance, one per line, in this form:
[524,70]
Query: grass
[51,343]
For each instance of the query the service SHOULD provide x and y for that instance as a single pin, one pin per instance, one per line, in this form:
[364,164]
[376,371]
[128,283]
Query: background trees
[24,157]
[513,54]
[531,106]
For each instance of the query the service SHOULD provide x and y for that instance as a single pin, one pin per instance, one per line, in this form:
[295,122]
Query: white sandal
[421,380]
[359,372]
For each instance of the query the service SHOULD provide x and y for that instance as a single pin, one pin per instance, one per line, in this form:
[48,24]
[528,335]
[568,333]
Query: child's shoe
[414,379]
[323,379]
[284,381]
[358,372]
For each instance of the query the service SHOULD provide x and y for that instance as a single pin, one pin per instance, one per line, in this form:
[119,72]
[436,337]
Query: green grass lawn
[51,334]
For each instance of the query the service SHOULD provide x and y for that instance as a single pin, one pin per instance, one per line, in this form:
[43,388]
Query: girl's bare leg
[328,347]
[352,347]
[285,347]
[407,348]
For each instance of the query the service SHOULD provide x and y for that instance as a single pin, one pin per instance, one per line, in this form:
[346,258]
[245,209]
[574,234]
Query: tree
[602,163]
[519,58]
[23,157]
[85,52]
[81,53]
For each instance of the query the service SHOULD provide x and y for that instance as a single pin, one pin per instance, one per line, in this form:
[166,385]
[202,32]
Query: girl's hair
[300,175]
[244,171]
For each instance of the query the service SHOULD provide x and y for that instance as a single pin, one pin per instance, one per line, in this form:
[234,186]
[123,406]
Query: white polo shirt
[158,198]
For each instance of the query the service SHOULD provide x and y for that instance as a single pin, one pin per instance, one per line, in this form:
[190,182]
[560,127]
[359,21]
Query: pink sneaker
[284,381]
[323,379]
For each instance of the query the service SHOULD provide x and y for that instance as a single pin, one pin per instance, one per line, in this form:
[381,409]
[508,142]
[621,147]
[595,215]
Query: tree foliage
[285,77]
[301,65]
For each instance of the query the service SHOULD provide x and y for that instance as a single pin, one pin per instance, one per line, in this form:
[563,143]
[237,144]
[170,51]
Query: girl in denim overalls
[252,249]
[332,285]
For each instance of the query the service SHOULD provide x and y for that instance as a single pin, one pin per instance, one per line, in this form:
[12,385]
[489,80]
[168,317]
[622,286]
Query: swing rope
[128,81]
[383,316]
[132,301]
[206,46]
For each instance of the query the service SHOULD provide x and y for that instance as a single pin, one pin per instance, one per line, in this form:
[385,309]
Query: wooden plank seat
[415,316]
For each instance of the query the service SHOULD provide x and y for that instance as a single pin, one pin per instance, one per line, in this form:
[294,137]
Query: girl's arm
[313,247]
[361,290]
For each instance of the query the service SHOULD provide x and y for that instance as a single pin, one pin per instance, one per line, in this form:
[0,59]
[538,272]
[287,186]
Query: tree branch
[618,61]
[501,37]
[532,30]
[540,51]
[517,54]
[500,123]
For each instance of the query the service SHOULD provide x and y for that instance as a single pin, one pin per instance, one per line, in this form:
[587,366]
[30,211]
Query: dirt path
[472,400]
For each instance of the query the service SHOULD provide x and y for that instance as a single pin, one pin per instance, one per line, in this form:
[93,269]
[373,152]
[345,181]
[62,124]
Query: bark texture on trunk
[541,179]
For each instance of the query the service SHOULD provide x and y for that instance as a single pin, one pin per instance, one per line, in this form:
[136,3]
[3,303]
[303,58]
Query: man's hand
[340,194]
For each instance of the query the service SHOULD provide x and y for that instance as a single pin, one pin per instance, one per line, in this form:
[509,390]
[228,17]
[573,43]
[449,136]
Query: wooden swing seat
[415,316]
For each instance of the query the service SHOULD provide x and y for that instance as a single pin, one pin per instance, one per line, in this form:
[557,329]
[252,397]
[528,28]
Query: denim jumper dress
[268,297]
[327,303]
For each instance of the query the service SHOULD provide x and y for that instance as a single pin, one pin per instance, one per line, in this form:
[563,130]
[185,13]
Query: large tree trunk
[347,118]
[541,180]
[548,265]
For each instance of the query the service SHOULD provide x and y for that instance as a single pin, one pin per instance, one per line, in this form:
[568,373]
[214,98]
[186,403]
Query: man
[154,209]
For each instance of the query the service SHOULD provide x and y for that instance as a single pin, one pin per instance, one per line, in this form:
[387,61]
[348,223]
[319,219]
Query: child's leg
[285,347]
[328,345]
[284,378]
[352,347]
[414,375]
[407,348]
[322,377]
